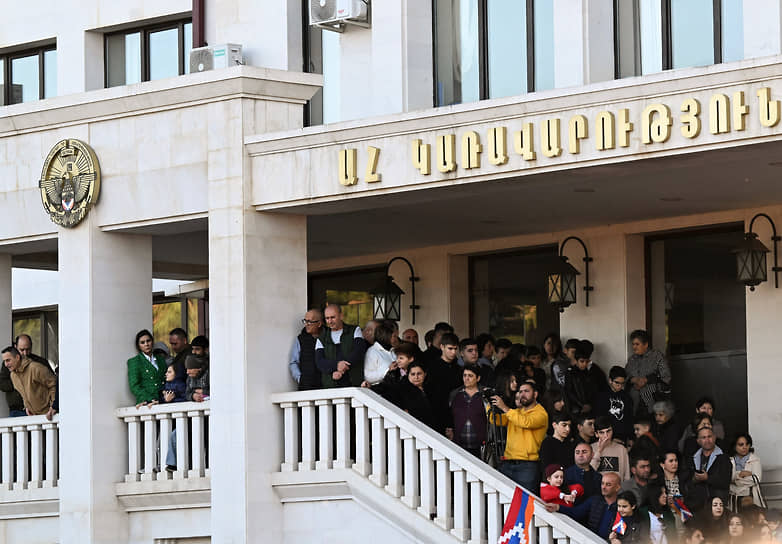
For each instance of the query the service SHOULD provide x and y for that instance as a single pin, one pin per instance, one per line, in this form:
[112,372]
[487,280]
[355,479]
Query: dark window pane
[692,32]
[507,45]
[164,54]
[456,52]
[123,53]
[2,82]
[24,79]
[50,73]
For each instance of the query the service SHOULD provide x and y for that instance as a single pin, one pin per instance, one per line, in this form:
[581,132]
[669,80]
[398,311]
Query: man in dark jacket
[177,339]
[339,352]
[302,356]
[598,512]
[708,472]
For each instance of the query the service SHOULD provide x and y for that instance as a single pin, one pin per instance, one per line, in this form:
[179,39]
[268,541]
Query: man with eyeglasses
[617,404]
[302,356]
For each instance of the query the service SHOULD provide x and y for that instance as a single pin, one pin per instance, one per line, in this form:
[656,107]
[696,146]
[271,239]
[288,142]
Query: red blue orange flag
[684,512]
[619,527]
[519,520]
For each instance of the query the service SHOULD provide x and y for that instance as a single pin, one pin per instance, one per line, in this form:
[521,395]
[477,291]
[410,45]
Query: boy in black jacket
[617,404]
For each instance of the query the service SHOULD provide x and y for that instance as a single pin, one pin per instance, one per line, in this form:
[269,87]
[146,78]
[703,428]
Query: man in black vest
[302,357]
[339,352]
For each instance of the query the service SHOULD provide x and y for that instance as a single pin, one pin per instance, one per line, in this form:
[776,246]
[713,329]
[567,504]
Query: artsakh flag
[519,520]
[619,526]
[684,512]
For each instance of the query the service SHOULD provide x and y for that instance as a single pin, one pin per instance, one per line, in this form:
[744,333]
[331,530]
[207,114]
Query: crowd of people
[609,450]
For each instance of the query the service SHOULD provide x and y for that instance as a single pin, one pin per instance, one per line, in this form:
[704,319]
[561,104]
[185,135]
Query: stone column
[257,294]
[105,298]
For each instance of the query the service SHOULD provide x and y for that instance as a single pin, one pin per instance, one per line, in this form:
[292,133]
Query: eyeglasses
[308,322]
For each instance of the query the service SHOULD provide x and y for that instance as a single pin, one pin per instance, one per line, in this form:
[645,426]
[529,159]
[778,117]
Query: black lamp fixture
[751,263]
[387,297]
[562,280]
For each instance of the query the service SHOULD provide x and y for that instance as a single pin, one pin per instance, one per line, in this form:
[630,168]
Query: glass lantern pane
[743,268]
[554,289]
[568,288]
[759,266]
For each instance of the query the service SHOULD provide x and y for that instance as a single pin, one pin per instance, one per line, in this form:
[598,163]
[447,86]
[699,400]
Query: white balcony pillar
[105,299]
[258,295]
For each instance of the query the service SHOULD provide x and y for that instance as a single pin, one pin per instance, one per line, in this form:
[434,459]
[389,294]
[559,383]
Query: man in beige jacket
[36,385]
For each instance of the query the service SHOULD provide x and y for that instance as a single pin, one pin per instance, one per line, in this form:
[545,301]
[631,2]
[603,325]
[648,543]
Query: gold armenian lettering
[605,130]
[550,138]
[446,153]
[767,109]
[471,150]
[577,131]
[372,176]
[498,145]
[719,118]
[624,127]
[656,124]
[691,123]
[347,167]
[740,110]
[422,157]
[524,143]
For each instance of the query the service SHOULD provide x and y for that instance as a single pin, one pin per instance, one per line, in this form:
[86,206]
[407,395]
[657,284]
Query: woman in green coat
[146,372]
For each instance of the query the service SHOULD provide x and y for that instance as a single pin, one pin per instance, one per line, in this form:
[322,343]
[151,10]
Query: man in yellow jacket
[527,426]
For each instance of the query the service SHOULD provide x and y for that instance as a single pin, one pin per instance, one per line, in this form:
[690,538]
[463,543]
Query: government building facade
[224,165]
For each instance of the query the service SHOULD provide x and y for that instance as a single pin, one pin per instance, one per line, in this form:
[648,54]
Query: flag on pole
[619,527]
[684,512]
[519,520]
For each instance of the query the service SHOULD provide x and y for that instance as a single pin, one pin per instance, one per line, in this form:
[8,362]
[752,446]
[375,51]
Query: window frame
[667,35]
[483,50]
[145,31]
[8,59]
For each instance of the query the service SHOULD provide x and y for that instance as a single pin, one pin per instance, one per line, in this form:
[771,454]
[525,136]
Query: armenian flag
[519,520]
[619,527]
[684,512]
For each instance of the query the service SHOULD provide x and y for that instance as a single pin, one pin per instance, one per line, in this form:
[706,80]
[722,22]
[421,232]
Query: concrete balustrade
[149,430]
[28,453]
[430,475]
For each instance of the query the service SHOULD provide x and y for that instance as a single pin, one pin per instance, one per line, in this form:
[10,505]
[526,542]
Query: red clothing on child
[555,495]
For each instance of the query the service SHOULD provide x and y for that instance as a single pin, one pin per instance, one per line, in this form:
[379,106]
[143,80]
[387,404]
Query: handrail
[167,408]
[439,445]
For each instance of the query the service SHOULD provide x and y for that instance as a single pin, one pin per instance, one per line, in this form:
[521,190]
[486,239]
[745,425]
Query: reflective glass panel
[331,80]
[456,52]
[164,54]
[732,30]
[628,50]
[123,59]
[50,73]
[544,44]
[24,79]
[187,30]
[651,31]
[507,43]
[2,82]
[692,32]
[165,317]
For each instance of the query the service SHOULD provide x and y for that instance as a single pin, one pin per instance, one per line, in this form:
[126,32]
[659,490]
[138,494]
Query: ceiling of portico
[692,183]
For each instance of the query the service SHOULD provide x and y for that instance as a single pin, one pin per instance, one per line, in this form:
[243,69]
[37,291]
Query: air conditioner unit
[215,56]
[335,14]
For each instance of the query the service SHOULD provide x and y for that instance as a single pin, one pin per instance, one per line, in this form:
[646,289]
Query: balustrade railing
[28,453]
[150,437]
[358,429]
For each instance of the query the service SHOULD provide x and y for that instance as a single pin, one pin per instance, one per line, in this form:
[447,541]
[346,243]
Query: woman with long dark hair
[146,371]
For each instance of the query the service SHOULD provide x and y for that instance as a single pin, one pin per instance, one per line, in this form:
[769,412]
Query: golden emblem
[70,182]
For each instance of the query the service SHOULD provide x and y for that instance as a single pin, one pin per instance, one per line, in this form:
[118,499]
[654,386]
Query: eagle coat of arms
[70,182]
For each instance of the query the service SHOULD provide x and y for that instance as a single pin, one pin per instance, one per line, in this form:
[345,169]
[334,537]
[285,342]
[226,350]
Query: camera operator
[526,429]
[468,411]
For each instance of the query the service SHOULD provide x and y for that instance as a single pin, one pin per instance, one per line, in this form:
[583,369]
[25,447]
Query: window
[350,289]
[491,48]
[322,56]
[145,54]
[43,328]
[656,35]
[31,75]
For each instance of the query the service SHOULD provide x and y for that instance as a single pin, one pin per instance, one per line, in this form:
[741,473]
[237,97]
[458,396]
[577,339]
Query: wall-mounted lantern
[561,280]
[751,266]
[387,297]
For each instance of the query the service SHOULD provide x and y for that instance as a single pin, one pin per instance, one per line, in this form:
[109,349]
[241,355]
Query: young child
[555,491]
[388,387]
[173,389]
[645,443]
[634,528]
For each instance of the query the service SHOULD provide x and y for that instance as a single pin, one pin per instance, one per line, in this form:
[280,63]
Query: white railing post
[427,507]
[461,495]
[543,530]
[150,438]
[36,456]
[326,429]
[410,496]
[181,445]
[362,465]
[343,433]
[197,439]
[134,449]
[307,436]
[22,468]
[291,432]
[8,457]
[52,456]
[444,517]
[394,486]
[493,514]
[477,511]
[165,433]
[378,475]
